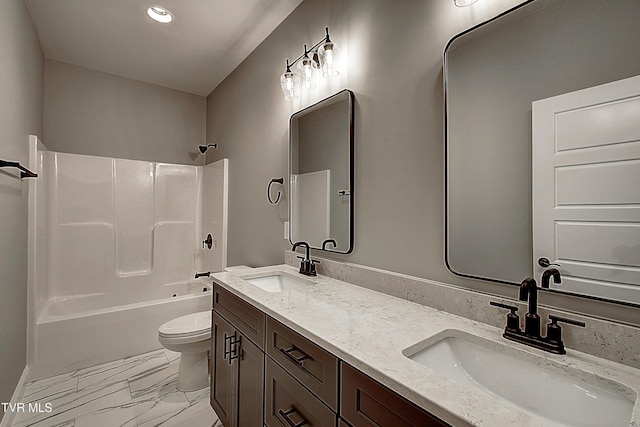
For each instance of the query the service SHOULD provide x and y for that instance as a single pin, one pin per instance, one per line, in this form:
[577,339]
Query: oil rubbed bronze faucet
[547,274]
[531,335]
[307,265]
[529,290]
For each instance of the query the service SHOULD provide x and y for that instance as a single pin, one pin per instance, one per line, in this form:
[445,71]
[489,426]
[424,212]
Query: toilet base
[193,371]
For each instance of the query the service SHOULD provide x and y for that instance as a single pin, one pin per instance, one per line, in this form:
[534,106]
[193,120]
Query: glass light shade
[306,66]
[329,54]
[290,83]
[463,3]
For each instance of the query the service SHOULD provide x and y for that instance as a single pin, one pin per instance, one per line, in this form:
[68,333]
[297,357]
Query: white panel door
[586,188]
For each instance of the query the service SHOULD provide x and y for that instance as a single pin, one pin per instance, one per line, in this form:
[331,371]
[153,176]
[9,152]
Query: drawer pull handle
[297,360]
[286,417]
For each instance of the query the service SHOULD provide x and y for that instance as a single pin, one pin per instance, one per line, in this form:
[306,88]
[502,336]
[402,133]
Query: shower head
[203,148]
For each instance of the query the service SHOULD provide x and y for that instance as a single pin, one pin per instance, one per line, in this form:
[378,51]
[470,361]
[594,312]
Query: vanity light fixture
[159,14]
[463,3]
[324,56]
[290,83]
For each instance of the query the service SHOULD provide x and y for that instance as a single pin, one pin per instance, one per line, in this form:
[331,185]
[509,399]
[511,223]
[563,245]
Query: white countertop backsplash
[369,330]
[609,340]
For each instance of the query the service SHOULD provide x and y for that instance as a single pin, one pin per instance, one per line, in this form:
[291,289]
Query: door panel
[586,192]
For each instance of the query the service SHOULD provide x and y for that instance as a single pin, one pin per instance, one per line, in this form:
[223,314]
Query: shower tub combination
[113,248]
[77,332]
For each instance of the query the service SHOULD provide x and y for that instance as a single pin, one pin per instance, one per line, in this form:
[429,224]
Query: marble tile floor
[139,391]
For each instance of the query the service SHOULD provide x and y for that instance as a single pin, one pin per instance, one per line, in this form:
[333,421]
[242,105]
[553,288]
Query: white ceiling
[205,42]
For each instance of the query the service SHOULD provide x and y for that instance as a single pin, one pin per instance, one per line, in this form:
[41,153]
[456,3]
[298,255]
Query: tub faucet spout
[206,274]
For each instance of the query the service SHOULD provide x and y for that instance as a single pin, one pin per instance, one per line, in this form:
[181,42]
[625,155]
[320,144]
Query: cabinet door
[223,375]
[250,384]
[366,403]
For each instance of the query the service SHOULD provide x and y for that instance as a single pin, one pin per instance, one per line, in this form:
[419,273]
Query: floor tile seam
[113,377]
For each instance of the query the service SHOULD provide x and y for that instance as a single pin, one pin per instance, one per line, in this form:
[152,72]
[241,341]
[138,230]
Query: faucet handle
[554,319]
[554,331]
[513,320]
[312,267]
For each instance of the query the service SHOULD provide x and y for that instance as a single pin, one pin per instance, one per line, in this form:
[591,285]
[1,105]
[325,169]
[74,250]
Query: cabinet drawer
[242,315]
[289,404]
[313,366]
[366,403]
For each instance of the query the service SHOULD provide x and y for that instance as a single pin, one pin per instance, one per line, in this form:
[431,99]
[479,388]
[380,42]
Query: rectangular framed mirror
[494,73]
[321,149]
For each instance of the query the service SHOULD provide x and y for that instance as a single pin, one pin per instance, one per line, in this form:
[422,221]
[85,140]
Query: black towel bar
[24,172]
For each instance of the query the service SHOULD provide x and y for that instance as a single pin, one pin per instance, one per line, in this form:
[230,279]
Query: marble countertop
[369,330]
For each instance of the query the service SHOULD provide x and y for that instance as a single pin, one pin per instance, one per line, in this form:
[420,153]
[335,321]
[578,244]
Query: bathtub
[77,332]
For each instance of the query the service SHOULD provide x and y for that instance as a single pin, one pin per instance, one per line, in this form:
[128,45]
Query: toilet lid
[190,324]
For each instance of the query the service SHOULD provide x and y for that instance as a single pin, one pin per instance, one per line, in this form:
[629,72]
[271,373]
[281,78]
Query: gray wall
[100,114]
[21,79]
[392,60]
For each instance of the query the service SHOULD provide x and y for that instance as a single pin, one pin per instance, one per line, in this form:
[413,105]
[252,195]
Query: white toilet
[189,335]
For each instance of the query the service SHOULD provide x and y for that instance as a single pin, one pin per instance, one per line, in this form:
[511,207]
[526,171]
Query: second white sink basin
[561,394]
[276,281]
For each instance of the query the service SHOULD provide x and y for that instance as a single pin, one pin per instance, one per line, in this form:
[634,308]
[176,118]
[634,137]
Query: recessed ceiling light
[159,14]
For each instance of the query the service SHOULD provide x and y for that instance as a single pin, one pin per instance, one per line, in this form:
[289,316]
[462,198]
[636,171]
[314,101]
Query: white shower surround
[111,242]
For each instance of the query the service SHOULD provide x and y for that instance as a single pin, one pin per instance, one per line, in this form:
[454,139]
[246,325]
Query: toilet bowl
[189,335]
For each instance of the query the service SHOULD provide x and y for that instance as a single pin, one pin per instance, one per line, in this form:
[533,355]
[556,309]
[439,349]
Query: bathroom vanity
[290,350]
[258,359]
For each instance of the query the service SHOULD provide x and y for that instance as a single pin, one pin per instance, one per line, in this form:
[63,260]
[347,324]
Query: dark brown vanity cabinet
[266,374]
[366,403]
[237,374]
[301,380]
[289,404]
[314,367]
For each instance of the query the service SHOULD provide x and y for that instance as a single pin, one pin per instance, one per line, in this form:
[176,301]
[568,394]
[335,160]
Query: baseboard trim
[18,393]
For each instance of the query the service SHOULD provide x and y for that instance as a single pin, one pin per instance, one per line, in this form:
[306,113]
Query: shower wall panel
[117,222]
[133,208]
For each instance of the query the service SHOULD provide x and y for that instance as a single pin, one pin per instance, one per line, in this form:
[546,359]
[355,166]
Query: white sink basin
[564,395]
[277,281]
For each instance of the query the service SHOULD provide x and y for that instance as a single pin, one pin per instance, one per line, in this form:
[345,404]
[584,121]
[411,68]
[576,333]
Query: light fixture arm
[325,39]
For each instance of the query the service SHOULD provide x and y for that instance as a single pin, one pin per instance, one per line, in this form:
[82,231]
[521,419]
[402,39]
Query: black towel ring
[276,180]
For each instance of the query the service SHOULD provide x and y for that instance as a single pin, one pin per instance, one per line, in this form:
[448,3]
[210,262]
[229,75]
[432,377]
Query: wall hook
[274,180]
